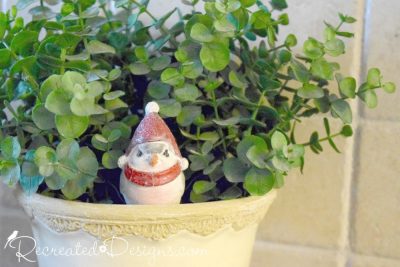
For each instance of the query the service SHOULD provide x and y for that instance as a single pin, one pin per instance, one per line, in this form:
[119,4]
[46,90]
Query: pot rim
[81,208]
[150,221]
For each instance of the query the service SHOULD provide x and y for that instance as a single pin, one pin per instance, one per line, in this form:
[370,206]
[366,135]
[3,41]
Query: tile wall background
[344,211]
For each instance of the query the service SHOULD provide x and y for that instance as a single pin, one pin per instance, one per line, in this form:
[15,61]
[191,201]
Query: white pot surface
[219,234]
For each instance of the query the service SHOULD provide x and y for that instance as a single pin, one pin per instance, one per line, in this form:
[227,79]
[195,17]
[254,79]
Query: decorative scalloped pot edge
[154,222]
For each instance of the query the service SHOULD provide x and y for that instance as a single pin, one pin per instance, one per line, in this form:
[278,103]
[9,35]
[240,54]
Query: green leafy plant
[74,83]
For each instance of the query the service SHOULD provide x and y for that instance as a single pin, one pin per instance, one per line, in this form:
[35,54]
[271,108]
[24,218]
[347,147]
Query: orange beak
[154,160]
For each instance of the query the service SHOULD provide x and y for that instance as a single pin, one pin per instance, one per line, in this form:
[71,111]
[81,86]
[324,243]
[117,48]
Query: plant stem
[323,139]
[62,57]
[276,48]
[220,133]
[107,16]
[173,42]
[82,23]
[14,125]
[255,111]
[340,25]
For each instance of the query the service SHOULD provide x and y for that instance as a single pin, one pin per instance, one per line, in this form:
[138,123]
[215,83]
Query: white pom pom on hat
[152,107]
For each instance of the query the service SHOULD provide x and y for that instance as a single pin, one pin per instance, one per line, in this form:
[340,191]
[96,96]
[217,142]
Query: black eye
[139,153]
[166,153]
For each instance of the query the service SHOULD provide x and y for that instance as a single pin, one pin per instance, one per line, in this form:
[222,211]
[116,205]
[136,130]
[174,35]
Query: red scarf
[150,178]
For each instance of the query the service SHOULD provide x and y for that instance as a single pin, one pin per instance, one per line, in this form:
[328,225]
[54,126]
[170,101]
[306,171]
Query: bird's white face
[152,157]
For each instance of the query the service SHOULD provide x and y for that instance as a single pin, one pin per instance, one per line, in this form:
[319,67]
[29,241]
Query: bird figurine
[152,166]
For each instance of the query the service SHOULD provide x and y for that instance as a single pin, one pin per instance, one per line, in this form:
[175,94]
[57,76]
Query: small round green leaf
[389,87]
[192,69]
[227,6]
[110,159]
[258,182]
[374,77]
[258,156]
[291,40]
[55,181]
[158,90]
[346,131]
[201,187]
[342,109]
[188,114]
[86,106]
[10,172]
[141,53]
[370,98]
[71,126]
[45,158]
[323,69]
[234,170]
[23,42]
[99,142]
[159,63]
[246,143]
[300,71]
[114,74]
[335,47]
[76,187]
[51,83]
[5,58]
[113,95]
[313,49]
[169,107]
[87,162]
[188,92]
[237,80]
[201,33]
[109,128]
[278,140]
[309,91]
[30,178]
[58,102]
[172,76]
[70,79]
[97,47]
[10,147]
[43,118]
[347,87]
[139,68]
[67,150]
[215,56]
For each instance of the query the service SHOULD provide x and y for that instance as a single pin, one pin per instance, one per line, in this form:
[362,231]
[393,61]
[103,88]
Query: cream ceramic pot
[219,234]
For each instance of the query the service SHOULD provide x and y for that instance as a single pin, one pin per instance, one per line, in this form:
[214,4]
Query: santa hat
[153,128]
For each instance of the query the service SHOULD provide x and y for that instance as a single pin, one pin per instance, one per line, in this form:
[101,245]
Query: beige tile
[273,255]
[383,31]
[366,261]
[376,227]
[8,224]
[307,20]
[308,208]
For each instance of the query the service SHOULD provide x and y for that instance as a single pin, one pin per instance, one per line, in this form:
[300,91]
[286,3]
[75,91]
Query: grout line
[377,257]
[293,247]
[362,121]
[348,195]
[304,249]
[364,49]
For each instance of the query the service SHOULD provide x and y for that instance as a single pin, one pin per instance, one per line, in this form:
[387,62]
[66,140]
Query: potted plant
[74,82]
